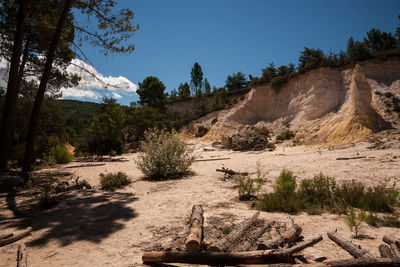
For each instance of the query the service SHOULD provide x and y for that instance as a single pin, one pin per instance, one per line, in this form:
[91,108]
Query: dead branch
[193,240]
[16,236]
[22,259]
[360,157]
[291,233]
[393,243]
[235,235]
[228,171]
[385,251]
[364,262]
[355,251]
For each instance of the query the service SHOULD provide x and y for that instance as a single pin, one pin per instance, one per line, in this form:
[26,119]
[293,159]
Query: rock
[226,142]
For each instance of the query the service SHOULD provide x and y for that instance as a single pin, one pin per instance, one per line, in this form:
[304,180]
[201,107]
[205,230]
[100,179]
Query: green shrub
[376,198]
[322,193]
[354,220]
[58,155]
[318,192]
[285,135]
[164,155]
[112,181]
[286,183]
[284,198]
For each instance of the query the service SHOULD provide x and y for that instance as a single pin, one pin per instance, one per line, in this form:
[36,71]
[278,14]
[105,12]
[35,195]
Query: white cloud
[79,93]
[92,82]
[116,96]
[93,85]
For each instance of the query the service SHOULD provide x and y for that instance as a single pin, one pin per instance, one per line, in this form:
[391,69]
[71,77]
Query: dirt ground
[97,228]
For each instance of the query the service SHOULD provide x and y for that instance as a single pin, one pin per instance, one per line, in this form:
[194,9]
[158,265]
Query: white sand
[96,228]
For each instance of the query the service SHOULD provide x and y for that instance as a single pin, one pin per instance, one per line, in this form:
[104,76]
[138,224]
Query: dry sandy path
[96,228]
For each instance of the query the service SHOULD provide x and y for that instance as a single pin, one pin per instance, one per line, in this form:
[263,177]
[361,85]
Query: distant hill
[77,116]
[75,108]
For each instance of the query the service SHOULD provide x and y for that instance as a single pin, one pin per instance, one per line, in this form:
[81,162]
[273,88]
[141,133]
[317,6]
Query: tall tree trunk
[41,91]
[12,90]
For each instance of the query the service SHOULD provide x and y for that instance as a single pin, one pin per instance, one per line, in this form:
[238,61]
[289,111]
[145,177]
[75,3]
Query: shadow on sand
[87,215]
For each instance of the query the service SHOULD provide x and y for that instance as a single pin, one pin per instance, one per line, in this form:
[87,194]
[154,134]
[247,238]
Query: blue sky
[227,36]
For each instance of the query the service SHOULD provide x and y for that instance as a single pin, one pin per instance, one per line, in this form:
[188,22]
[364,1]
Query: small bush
[285,135]
[164,155]
[57,155]
[112,181]
[286,183]
[354,220]
[323,193]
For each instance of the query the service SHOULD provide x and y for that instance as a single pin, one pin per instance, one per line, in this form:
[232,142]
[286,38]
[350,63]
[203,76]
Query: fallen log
[224,244]
[355,251]
[385,251]
[360,157]
[231,258]
[364,262]
[393,243]
[22,259]
[195,236]
[252,238]
[231,172]
[85,165]
[86,184]
[6,235]
[16,237]
[291,233]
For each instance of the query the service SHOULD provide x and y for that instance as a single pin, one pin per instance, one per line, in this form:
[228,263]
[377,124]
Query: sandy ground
[96,228]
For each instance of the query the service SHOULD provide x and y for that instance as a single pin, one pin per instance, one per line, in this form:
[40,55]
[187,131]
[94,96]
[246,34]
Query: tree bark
[16,237]
[233,258]
[253,237]
[364,262]
[385,251]
[22,260]
[224,244]
[12,90]
[8,235]
[41,91]
[355,251]
[195,236]
[291,233]
[218,258]
[393,243]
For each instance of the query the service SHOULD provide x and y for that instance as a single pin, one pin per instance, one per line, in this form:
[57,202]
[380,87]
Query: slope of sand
[96,228]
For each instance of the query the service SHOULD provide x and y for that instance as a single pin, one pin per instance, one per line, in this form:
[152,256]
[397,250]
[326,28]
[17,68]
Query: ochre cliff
[326,106]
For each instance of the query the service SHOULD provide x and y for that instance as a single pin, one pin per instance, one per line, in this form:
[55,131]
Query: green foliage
[357,50]
[76,117]
[60,154]
[286,135]
[196,81]
[151,93]
[235,81]
[184,91]
[246,187]
[141,119]
[164,155]
[310,59]
[318,193]
[106,130]
[207,87]
[323,193]
[112,181]
[286,183]
[354,220]
[375,198]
